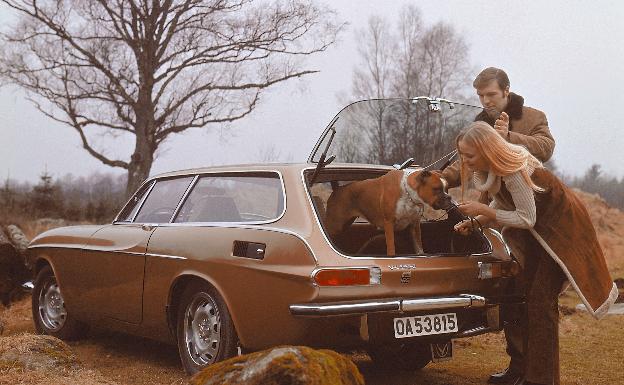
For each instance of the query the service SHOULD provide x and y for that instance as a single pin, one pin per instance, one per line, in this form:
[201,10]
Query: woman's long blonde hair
[503,157]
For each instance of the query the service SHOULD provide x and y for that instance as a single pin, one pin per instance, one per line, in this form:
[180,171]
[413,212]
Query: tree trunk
[143,156]
[139,167]
[17,237]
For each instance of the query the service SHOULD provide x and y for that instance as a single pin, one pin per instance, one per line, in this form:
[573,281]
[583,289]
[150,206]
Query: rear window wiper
[322,162]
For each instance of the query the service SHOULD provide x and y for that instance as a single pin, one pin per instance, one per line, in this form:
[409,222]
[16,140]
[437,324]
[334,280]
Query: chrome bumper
[389,306]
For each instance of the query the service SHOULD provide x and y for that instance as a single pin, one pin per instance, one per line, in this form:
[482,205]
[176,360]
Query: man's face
[493,99]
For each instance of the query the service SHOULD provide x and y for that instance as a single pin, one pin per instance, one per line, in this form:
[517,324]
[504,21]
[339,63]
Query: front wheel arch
[48,308]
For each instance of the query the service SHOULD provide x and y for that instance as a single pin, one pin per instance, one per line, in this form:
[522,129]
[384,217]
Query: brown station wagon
[226,259]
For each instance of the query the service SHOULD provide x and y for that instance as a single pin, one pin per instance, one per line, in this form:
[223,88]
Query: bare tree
[271,154]
[408,60]
[153,68]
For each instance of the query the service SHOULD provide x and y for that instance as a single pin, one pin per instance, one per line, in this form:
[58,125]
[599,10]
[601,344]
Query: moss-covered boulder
[36,352]
[284,365]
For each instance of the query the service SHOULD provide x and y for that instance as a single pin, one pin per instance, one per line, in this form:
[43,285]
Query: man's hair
[491,73]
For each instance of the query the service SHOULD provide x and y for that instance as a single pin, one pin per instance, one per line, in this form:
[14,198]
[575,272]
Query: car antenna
[322,162]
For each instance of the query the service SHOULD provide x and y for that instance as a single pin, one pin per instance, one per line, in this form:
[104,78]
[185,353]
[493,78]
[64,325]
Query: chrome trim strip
[112,251]
[345,308]
[380,258]
[28,286]
[149,191]
[391,305]
[498,235]
[186,193]
[129,199]
[164,256]
[49,246]
[462,301]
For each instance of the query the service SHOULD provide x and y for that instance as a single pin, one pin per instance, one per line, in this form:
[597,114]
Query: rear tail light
[348,277]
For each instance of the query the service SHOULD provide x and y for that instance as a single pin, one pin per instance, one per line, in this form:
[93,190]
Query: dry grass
[591,352]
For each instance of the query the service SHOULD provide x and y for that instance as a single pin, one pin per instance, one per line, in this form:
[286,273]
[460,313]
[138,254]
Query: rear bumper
[462,301]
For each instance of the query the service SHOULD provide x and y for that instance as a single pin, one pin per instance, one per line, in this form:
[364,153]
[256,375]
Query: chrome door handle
[147,227]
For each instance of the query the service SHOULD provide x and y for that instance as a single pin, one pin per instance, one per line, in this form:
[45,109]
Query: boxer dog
[391,202]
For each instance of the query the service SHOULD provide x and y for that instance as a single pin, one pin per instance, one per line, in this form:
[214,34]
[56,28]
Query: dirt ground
[591,352]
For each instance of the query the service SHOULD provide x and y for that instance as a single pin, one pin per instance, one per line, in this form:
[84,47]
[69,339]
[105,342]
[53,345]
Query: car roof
[280,167]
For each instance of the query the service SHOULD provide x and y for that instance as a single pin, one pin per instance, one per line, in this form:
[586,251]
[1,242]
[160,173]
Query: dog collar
[411,194]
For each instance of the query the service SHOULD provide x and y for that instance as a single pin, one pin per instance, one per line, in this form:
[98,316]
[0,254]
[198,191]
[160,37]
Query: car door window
[133,205]
[163,200]
[234,198]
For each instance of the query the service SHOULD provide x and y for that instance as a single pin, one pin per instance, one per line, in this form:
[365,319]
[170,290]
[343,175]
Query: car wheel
[48,309]
[408,357]
[205,331]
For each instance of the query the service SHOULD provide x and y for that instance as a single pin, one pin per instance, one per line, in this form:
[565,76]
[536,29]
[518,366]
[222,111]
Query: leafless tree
[271,154]
[153,68]
[407,60]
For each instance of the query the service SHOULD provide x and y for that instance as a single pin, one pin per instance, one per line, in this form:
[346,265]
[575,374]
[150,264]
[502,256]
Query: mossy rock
[36,352]
[284,365]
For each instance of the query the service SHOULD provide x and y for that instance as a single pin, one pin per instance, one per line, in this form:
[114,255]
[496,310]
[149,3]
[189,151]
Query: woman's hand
[472,209]
[464,227]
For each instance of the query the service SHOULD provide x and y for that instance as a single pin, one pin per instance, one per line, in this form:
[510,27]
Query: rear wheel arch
[200,321]
[178,287]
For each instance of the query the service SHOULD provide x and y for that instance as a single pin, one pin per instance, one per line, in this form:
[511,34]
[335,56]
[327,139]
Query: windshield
[389,131]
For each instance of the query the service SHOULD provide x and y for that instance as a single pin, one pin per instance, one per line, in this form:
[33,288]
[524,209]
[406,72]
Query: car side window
[130,209]
[256,197]
[163,200]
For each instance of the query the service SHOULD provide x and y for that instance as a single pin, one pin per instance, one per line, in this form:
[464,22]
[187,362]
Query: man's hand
[501,125]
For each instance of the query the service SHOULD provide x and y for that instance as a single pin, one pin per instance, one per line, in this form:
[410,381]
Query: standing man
[528,127]
[506,112]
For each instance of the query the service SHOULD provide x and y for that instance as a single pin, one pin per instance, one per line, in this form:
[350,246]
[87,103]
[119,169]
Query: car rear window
[163,200]
[234,198]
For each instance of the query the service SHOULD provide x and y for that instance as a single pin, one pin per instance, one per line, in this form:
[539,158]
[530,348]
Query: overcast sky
[564,57]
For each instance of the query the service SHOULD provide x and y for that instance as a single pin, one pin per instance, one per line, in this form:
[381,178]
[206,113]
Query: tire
[406,357]
[205,331]
[48,309]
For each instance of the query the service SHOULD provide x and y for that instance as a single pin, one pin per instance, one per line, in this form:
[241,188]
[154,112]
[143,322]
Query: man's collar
[513,109]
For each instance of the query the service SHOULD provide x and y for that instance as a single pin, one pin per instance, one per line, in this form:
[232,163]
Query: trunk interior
[363,239]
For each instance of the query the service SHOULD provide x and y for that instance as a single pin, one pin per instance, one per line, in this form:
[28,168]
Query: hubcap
[202,329]
[52,306]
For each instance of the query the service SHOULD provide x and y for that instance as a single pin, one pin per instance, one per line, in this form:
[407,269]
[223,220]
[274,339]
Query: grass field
[591,352]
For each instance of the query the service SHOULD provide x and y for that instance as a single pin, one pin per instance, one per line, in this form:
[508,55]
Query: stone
[283,365]
[36,352]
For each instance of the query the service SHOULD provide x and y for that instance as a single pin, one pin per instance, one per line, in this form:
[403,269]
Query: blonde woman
[547,228]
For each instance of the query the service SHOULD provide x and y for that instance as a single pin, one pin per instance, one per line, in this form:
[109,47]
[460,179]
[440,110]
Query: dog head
[431,188]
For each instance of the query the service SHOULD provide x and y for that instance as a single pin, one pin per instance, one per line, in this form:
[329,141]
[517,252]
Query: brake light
[348,277]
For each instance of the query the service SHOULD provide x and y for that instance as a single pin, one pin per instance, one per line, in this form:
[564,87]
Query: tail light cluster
[348,276]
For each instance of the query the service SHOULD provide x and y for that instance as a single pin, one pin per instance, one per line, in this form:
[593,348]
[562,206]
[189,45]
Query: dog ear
[424,175]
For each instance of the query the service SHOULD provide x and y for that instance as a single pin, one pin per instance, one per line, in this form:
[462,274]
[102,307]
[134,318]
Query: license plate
[425,325]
